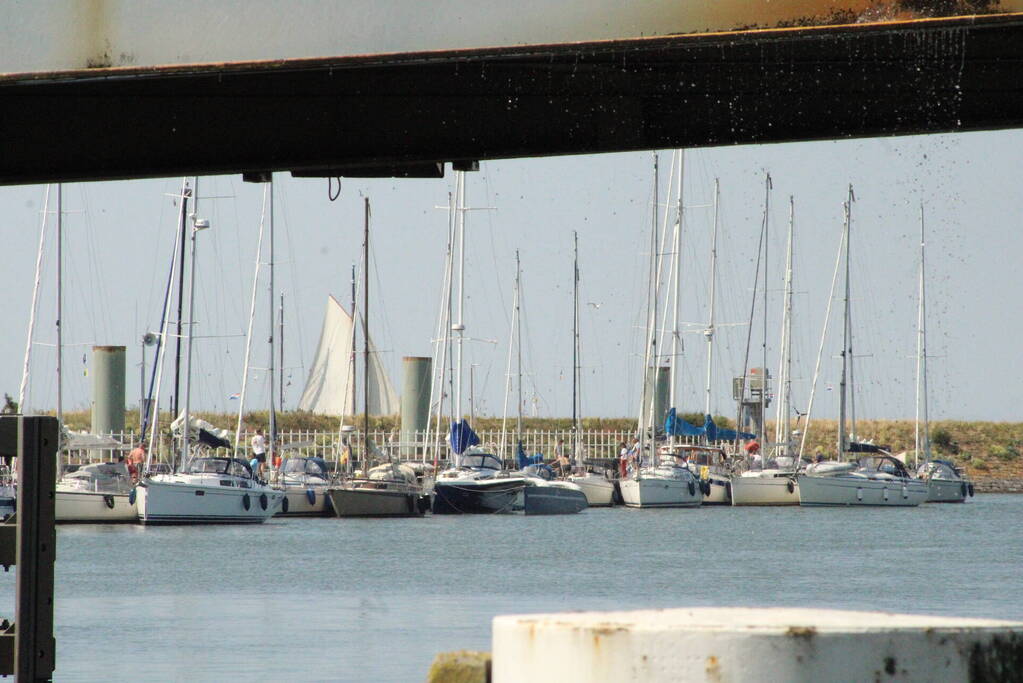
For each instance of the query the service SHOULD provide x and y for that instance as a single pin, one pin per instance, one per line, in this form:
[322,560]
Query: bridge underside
[406,114]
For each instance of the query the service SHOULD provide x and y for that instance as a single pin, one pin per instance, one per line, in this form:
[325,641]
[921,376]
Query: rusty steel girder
[403,114]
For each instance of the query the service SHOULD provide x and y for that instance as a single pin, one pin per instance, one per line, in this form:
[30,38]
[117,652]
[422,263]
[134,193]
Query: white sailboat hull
[860,491]
[652,491]
[946,491]
[720,492]
[765,489]
[598,490]
[93,506]
[302,504]
[191,499]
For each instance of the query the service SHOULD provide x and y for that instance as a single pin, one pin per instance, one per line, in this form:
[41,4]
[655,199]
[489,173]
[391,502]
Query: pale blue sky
[119,236]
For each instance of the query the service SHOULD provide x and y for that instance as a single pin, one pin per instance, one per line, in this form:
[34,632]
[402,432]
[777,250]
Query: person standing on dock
[259,451]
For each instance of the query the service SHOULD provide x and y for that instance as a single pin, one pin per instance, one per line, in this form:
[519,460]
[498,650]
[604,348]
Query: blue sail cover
[715,433]
[676,426]
[462,436]
[524,460]
[857,447]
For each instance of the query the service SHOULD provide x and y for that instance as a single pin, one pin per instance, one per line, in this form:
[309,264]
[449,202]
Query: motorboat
[669,484]
[388,490]
[775,484]
[98,492]
[305,482]
[545,495]
[945,482]
[477,485]
[874,480]
[208,490]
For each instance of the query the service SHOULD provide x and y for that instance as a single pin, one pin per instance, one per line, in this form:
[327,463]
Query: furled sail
[330,387]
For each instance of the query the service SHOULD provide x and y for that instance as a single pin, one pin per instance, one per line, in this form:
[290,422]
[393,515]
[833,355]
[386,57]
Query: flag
[234,397]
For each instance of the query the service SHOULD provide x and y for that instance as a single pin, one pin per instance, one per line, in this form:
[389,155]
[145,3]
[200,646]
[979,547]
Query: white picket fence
[422,447]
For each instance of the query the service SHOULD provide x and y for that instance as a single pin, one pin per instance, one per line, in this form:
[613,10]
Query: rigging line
[749,331]
[23,388]
[662,344]
[820,349]
[384,352]
[296,283]
[156,255]
[252,316]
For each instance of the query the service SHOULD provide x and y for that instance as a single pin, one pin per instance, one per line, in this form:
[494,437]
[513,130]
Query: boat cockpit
[234,467]
[310,467]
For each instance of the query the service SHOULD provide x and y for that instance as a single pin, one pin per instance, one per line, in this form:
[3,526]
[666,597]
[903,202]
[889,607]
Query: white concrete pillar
[727,645]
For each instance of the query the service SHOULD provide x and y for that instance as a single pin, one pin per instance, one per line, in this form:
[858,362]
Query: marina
[661,342]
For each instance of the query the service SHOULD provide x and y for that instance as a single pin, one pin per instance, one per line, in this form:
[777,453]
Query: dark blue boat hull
[550,500]
[486,497]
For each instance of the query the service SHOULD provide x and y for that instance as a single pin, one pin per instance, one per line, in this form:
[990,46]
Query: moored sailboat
[775,482]
[386,490]
[203,488]
[946,483]
[876,479]
[667,483]
[596,487]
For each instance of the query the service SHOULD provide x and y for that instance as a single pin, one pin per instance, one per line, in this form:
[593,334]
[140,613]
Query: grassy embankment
[988,450]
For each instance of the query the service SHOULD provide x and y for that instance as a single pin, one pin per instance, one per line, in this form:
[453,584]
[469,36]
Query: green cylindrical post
[662,389]
[415,401]
[107,389]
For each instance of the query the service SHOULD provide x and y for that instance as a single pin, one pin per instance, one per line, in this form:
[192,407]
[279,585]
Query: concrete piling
[750,645]
[107,389]
[415,400]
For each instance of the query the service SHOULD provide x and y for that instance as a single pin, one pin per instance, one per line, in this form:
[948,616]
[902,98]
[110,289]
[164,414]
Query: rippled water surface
[362,600]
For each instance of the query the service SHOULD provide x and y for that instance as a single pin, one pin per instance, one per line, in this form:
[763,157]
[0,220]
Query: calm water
[361,600]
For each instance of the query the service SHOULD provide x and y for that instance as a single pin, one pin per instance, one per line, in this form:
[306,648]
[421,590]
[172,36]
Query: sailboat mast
[923,439]
[280,350]
[186,192]
[518,344]
[459,326]
[650,355]
[763,377]
[575,348]
[186,426]
[709,332]
[845,332]
[782,422]
[351,359]
[270,340]
[60,303]
[676,291]
[365,336]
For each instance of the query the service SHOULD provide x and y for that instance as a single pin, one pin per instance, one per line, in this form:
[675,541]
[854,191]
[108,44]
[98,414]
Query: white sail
[330,387]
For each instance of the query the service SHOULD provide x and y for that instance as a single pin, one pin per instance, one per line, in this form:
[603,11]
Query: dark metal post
[33,440]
